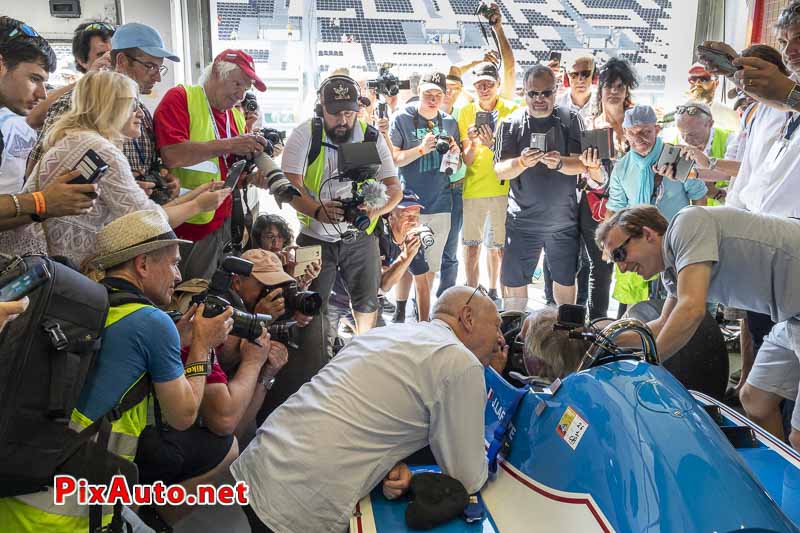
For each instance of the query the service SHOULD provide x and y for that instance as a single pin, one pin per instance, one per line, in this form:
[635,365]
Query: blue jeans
[449,270]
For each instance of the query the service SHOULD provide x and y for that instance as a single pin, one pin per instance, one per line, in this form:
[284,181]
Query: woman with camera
[88,139]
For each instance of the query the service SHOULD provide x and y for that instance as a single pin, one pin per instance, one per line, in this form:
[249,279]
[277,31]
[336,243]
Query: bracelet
[17,207]
[316,212]
[420,151]
[39,203]
[200,368]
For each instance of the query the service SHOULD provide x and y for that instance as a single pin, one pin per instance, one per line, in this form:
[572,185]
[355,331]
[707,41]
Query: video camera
[248,326]
[359,163]
[387,84]
[160,193]
[273,137]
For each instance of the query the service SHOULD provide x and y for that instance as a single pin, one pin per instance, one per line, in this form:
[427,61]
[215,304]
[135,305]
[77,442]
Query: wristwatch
[793,99]
[267,382]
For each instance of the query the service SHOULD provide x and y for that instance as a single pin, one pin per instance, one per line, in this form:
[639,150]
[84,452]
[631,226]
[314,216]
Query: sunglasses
[20,31]
[544,94]
[480,289]
[585,74]
[151,67]
[100,26]
[699,79]
[690,110]
[619,254]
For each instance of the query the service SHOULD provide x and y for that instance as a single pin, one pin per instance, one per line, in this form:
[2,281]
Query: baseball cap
[143,37]
[267,267]
[244,61]
[409,200]
[433,81]
[698,69]
[340,94]
[639,115]
[454,74]
[485,71]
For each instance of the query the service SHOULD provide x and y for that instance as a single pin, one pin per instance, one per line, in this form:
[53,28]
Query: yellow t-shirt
[480,181]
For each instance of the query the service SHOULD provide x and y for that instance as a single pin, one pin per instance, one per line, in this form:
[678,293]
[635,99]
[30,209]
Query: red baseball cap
[244,61]
[698,69]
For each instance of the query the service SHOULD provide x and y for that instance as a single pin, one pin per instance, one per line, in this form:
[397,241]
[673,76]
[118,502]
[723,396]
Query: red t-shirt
[171,125]
[217,375]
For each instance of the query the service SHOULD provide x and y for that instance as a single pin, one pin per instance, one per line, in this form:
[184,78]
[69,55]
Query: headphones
[325,83]
[595,75]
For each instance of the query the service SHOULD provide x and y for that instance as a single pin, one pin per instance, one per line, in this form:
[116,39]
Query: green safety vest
[201,129]
[34,513]
[312,180]
[719,143]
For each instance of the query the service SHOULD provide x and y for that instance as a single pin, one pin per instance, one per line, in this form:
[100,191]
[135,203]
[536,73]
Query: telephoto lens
[279,185]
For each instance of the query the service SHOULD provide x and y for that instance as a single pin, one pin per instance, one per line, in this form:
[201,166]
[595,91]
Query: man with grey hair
[382,401]
[537,151]
[724,255]
[199,132]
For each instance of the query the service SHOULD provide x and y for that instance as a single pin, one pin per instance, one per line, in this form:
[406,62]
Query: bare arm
[223,405]
[689,310]
[392,274]
[509,65]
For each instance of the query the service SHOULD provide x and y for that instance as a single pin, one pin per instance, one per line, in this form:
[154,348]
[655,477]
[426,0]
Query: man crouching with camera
[311,162]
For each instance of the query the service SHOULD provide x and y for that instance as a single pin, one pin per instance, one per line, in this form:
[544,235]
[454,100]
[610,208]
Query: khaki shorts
[488,211]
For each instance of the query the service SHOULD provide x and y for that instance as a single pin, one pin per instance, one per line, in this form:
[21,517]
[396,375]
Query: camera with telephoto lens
[250,103]
[294,300]
[285,332]
[443,143]
[273,137]
[248,326]
[425,236]
[278,184]
[160,193]
[387,83]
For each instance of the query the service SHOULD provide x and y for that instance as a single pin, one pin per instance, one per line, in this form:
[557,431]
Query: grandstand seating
[362,34]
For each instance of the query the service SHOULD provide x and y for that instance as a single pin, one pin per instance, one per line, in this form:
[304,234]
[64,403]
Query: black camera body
[250,103]
[294,300]
[358,163]
[160,193]
[248,326]
[352,214]
[273,137]
[442,143]
[387,83]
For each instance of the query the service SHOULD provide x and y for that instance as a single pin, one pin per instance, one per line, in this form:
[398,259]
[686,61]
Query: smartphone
[671,155]
[25,283]
[718,59]
[539,141]
[484,117]
[304,256]
[91,166]
[234,173]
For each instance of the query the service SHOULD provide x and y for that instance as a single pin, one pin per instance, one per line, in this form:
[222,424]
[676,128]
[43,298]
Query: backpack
[47,354]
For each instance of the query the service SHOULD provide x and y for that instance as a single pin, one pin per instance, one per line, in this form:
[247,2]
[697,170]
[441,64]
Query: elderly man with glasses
[730,256]
[537,151]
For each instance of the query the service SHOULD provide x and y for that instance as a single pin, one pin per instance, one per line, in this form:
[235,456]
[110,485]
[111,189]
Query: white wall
[736,13]
[681,51]
[37,14]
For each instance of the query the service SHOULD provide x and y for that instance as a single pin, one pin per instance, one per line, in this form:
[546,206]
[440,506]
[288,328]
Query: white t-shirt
[18,141]
[769,177]
[295,160]
[389,393]
[585,112]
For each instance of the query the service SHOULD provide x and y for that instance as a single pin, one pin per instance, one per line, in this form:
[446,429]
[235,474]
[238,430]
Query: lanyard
[214,124]
[791,124]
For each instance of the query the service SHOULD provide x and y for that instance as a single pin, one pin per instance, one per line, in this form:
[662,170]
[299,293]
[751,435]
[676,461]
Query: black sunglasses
[478,288]
[619,254]
[545,94]
[690,110]
[585,74]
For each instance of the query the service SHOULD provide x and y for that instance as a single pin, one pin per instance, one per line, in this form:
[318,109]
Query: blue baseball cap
[143,37]
[639,115]
[409,200]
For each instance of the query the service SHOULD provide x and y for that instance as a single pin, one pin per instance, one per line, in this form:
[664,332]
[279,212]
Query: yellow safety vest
[36,513]
[201,129]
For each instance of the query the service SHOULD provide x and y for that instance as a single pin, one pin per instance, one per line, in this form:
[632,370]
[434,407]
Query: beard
[339,134]
[698,92]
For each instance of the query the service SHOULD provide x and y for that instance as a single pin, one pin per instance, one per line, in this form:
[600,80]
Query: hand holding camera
[272,304]
[245,145]
[428,144]
[330,212]
[277,357]
[210,332]
[256,352]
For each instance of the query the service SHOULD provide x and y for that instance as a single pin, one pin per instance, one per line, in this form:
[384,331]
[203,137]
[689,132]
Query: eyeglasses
[151,67]
[480,289]
[20,31]
[619,254]
[585,74]
[544,94]
[690,110]
[99,26]
[272,237]
[699,79]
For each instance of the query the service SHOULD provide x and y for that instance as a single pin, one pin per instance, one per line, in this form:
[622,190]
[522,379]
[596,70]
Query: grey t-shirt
[756,258]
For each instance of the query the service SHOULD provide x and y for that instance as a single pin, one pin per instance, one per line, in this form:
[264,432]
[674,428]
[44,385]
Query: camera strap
[428,123]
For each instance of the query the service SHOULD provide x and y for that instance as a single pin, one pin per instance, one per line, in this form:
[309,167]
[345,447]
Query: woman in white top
[103,113]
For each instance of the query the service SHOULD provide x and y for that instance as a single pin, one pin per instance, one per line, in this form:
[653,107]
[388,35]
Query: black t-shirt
[540,198]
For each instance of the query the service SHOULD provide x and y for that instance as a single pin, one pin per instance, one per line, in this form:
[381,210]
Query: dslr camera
[305,302]
[245,325]
[273,137]
[387,84]
[250,103]
[425,235]
[160,193]
[442,143]
[359,164]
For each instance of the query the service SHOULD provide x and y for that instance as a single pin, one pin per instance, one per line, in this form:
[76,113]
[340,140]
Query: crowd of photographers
[226,316]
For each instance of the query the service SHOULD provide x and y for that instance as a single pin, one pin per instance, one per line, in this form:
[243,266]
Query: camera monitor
[358,161]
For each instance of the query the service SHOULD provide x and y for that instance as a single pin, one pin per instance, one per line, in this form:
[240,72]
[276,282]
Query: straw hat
[131,235]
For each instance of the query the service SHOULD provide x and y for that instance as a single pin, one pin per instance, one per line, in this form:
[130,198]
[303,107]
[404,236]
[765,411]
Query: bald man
[387,394]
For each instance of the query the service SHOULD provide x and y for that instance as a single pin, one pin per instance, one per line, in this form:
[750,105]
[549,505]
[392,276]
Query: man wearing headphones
[310,159]
[579,80]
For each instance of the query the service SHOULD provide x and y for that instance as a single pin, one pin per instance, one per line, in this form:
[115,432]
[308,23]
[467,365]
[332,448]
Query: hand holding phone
[717,60]
[91,166]
[484,118]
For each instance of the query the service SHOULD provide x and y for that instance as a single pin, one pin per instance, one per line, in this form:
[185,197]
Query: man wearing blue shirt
[414,131]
